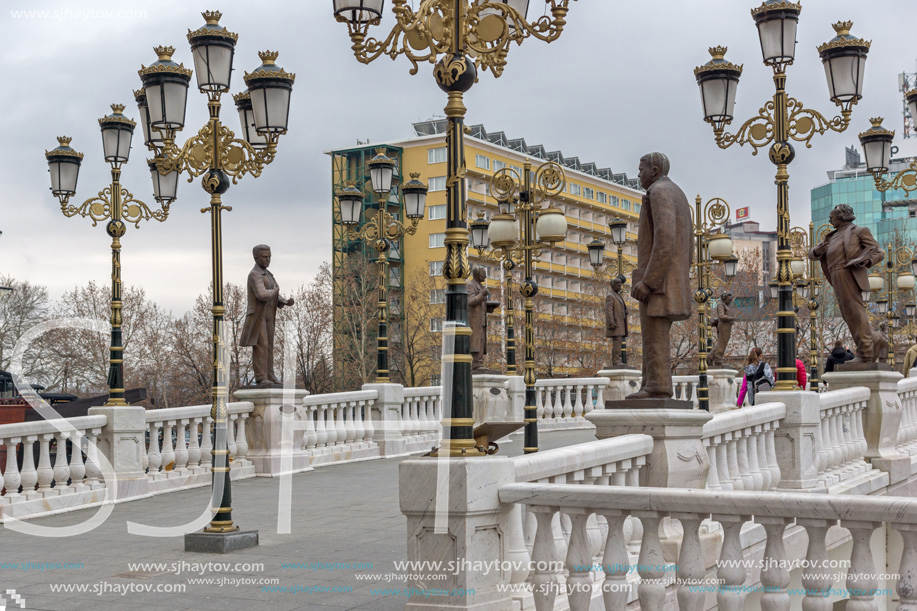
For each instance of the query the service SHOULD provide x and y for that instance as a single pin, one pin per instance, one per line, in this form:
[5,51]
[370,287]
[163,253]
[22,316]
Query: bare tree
[311,319]
[356,322]
[21,309]
[417,345]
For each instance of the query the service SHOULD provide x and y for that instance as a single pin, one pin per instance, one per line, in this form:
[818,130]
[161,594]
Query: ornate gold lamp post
[877,143]
[709,248]
[808,288]
[618,227]
[780,120]
[116,205]
[218,156]
[380,231]
[900,269]
[521,200]
[458,37]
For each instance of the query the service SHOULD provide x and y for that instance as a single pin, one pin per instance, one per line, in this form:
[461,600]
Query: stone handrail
[421,414]
[907,433]
[841,437]
[740,448]
[775,512]
[568,400]
[56,480]
[337,422]
[573,462]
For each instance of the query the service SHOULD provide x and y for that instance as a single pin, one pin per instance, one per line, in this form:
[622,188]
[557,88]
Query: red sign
[742,213]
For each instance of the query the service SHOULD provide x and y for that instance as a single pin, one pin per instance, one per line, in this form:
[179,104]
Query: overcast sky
[618,83]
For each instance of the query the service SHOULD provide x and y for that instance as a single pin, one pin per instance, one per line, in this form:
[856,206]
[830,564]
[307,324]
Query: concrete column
[796,440]
[264,429]
[387,419]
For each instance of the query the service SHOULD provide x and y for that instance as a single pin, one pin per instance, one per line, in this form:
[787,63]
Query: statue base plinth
[863,367]
[649,404]
[491,401]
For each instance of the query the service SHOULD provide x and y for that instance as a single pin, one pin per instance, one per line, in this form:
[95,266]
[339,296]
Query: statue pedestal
[491,400]
[622,382]
[265,430]
[721,389]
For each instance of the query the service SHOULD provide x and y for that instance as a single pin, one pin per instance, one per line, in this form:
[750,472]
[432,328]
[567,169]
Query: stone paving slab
[347,513]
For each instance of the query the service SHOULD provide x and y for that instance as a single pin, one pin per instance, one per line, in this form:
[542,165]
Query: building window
[516,169]
[575,189]
[588,193]
[614,201]
[602,198]
[498,165]
[438,296]
[437,155]
[625,204]
[637,207]
[436,325]
[482,162]
[437,240]
[437,213]
[437,183]
[436,268]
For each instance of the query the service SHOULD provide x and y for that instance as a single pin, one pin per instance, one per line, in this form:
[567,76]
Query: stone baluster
[168,453]
[772,461]
[368,421]
[207,442]
[29,473]
[861,576]
[690,573]
[145,455]
[548,403]
[636,526]
[321,435]
[331,424]
[45,472]
[588,405]
[61,469]
[359,431]
[310,436]
[763,466]
[651,590]
[861,443]
[731,594]
[600,395]
[713,478]
[77,468]
[615,562]
[181,448]
[842,440]
[194,447]
[544,554]
[816,575]
[722,462]
[566,389]
[748,482]
[907,570]
[837,450]
[241,439]
[828,440]
[231,425]
[339,424]
[154,457]
[732,453]
[751,447]
[516,551]
[12,479]
[774,576]
[406,424]
[579,410]
[579,560]
[93,467]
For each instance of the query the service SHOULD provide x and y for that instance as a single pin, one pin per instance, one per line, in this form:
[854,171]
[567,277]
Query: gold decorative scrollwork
[803,123]
[716,211]
[134,211]
[97,208]
[901,257]
[799,241]
[503,184]
[550,181]
[906,180]
[758,131]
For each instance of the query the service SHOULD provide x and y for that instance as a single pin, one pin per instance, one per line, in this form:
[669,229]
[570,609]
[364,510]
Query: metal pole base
[208,542]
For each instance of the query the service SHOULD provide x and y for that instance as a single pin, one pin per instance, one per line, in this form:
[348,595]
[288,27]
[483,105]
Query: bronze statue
[845,255]
[661,281]
[258,332]
[478,295]
[616,319]
[723,323]
[880,342]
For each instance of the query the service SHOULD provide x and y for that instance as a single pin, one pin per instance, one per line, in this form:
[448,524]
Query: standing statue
[845,255]
[616,319]
[258,332]
[723,324]
[662,282]
[478,295]
[880,342]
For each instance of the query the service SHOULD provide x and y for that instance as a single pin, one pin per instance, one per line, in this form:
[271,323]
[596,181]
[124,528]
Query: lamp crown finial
[415,175]
[117,108]
[64,140]
[718,52]
[842,27]
[381,151]
[212,17]
[876,121]
[164,53]
[268,57]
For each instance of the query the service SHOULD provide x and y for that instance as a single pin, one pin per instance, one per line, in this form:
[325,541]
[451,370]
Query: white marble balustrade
[740,448]
[339,426]
[841,440]
[783,517]
[56,482]
[179,444]
[420,416]
[564,403]
[907,433]
[686,388]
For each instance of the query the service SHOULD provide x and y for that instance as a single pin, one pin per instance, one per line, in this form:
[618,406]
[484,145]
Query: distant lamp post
[114,204]
[380,231]
[781,120]
[899,279]
[805,271]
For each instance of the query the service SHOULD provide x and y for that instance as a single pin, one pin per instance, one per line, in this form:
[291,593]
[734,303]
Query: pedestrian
[801,374]
[758,377]
[839,355]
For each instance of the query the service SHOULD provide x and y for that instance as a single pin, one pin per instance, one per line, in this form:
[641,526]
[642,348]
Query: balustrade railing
[841,440]
[422,413]
[338,422]
[686,388]
[907,432]
[740,448]
[569,400]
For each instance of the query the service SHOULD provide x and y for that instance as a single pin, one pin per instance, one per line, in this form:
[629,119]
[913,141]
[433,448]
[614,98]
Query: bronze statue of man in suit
[616,319]
[258,332]
[845,255]
[662,281]
[478,295]
[723,324]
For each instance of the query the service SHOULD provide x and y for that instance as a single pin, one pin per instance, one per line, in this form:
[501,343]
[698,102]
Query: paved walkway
[341,514]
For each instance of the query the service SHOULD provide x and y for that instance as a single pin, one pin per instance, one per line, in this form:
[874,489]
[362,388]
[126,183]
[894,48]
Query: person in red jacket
[801,374]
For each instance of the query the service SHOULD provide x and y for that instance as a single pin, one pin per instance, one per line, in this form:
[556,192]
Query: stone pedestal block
[466,524]
[623,382]
[220,543]
[123,442]
[796,441]
[679,459]
[265,430]
[491,401]
[721,389]
[882,418]
[515,392]
[387,419]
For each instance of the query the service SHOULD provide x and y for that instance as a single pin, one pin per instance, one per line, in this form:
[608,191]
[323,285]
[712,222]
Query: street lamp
[114,204]
[379,231]
[779,121]
[899,278]
[458,37]
[217,155]
[805,272]
[540,226]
